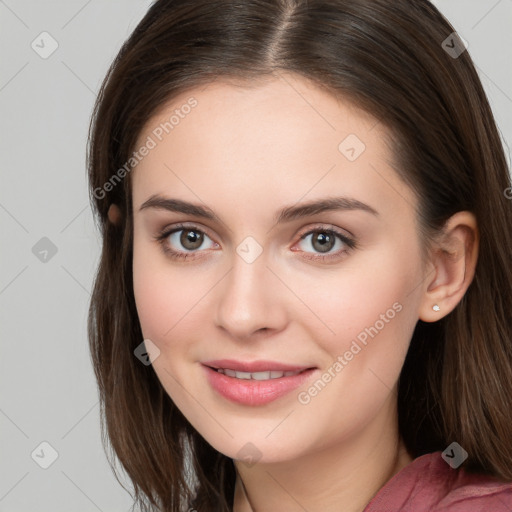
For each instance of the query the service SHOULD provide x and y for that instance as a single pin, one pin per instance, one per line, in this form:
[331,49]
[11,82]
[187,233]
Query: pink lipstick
[257,382]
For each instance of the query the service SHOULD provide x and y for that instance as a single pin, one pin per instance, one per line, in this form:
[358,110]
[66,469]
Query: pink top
[428,483]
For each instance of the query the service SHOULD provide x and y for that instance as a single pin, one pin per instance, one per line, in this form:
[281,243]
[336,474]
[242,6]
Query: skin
[247,152]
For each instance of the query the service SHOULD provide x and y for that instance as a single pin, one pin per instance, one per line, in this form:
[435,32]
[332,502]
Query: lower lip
[254,392]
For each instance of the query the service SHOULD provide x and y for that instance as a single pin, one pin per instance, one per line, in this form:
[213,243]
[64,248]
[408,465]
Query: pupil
[191,239]
[325,240]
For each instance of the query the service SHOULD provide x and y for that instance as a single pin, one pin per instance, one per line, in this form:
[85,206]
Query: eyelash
[179,255]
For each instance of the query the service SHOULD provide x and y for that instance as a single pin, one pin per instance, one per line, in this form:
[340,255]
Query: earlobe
[114,214]
[454,260]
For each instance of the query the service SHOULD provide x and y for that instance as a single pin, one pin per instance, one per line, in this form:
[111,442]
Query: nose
[250,300]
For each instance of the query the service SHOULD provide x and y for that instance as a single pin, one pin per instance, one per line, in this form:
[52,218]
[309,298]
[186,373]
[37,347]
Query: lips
[254,366]
[271,374]
[257,382]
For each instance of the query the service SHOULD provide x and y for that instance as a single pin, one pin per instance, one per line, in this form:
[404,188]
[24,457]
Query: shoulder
[428,483]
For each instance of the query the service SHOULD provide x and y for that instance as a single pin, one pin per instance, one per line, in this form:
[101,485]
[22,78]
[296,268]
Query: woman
[303,299]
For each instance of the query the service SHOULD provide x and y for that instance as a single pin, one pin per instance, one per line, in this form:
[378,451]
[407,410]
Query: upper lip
[254,366]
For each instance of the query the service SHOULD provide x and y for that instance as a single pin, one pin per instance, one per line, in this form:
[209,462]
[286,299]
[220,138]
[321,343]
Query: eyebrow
[286,214]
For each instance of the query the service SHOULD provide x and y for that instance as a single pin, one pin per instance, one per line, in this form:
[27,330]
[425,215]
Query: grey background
[47,383]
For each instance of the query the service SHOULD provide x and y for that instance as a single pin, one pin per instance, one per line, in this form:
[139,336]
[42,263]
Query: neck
[331,478]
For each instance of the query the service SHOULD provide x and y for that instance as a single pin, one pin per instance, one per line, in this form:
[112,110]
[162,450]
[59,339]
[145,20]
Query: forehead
[284,109]
[281,139]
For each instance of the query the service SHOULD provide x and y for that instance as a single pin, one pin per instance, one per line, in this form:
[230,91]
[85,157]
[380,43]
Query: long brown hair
[391,59]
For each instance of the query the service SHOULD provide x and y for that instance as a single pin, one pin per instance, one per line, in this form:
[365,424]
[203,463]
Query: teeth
[272,374]
[261,375]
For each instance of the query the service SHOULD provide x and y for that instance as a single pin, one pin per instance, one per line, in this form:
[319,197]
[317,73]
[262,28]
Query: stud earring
[435,307]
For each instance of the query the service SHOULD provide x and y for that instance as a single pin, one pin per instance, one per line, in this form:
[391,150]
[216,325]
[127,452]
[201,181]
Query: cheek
[375,292]
[371,309]
[160,293]
[172,304]
[372,314]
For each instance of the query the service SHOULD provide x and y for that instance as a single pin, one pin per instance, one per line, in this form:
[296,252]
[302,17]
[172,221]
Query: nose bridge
[249,299]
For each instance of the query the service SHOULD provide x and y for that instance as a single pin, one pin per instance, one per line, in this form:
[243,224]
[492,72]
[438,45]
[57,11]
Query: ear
[114,214]
[453,260]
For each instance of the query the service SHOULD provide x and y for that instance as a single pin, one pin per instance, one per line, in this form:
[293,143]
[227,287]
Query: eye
[327,243]
[183,241]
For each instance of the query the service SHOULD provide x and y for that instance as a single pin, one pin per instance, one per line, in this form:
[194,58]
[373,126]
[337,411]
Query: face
[255,274]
